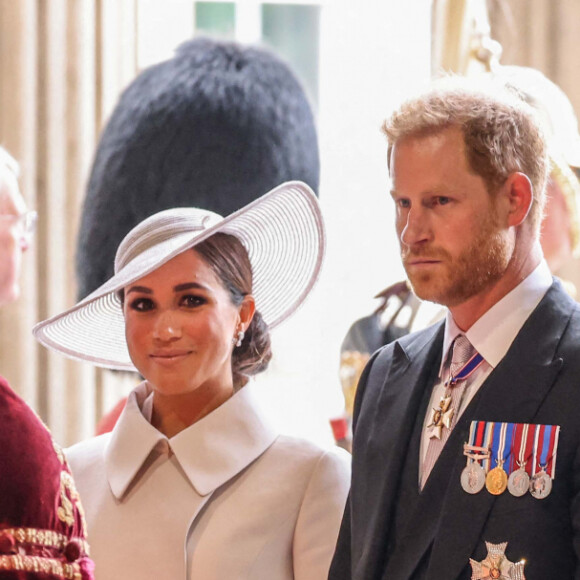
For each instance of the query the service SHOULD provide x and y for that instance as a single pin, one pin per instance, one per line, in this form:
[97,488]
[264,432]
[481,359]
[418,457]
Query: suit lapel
[513,392]
[380,451]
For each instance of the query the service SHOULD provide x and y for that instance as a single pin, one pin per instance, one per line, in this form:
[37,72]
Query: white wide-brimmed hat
[282,231]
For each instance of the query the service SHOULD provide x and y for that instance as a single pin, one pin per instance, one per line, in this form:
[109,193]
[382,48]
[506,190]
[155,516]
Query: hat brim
[283,233]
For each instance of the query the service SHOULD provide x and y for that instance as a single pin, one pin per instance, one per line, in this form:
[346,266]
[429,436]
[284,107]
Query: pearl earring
[240,338]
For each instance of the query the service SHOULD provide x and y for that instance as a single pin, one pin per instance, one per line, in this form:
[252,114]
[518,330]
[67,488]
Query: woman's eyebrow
[189,285]
[142,289]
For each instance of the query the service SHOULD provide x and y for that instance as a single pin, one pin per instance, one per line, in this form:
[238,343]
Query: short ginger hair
[502,133]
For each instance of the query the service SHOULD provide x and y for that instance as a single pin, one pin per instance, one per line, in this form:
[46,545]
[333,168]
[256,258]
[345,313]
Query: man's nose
[167,326]
[415,228]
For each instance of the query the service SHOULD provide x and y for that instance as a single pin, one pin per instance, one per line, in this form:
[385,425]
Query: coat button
[7,543]
[72,551]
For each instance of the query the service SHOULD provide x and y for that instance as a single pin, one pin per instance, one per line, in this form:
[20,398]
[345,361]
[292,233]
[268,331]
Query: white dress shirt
[227,498]
[491,336]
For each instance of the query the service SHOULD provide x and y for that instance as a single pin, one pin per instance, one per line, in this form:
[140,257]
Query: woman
[193,482]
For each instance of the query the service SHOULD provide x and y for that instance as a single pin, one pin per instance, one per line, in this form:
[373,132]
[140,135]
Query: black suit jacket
[538,381]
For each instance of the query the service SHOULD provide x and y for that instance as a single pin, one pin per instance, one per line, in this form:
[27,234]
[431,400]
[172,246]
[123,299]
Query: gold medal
[496,481]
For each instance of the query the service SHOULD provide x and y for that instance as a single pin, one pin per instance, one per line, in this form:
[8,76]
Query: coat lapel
[380,449]
[513,392]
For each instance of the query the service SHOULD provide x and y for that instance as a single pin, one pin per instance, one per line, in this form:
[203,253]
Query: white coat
[227,498]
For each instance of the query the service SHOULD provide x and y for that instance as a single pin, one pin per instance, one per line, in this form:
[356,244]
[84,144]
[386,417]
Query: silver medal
[519,482]
[473,477]
[541,485]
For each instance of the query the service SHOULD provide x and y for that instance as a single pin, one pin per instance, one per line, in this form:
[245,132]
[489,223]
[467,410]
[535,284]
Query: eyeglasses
[25,221]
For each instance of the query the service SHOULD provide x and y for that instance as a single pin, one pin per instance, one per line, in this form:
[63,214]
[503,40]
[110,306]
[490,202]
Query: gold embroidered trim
[41,565]
[45,538]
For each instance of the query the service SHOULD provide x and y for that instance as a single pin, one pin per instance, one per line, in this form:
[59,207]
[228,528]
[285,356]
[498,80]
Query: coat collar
[210,452]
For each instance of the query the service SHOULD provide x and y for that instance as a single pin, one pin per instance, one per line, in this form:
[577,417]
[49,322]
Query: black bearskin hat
[216,126]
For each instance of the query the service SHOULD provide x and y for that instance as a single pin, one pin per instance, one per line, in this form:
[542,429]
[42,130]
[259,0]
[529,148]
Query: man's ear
[519,196]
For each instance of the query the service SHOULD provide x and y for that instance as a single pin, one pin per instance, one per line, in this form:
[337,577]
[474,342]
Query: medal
[496,566]
[541,484]
[443,414]
[497,479]
[441,417]
[519,480]
[473,474]
[546,446]
[472,477]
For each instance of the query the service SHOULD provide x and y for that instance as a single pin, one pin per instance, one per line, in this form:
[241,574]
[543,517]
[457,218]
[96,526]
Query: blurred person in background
[193,481]
[42,526]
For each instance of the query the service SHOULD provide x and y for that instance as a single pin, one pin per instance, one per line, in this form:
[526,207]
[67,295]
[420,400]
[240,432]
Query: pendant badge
[442,417]
[496,566]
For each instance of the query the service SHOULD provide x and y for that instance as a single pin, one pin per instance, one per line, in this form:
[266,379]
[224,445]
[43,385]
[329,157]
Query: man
[400,312]
[437,440]
[42,528]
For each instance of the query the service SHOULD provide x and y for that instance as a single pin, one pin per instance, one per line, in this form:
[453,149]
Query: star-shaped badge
[442,417]
[496,566]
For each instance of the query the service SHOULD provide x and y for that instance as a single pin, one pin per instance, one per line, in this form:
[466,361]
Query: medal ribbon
[530,448]
[472,433]
[473,449]
[495,444]
[536,438]
[520,439]
[467,369]
[499,450]
[488,437]
[516,444]
[551,469]
[545,432]
[547,445]
[507,431]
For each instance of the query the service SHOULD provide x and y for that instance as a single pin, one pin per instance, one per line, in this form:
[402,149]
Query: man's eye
[442,200]
[142,304]
[403,203]
[192,301]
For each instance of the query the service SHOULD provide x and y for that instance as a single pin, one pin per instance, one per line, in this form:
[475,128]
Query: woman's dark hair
[228,259]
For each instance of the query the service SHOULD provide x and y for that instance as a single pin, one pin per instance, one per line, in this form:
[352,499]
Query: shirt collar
[493,333]
[210,452]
